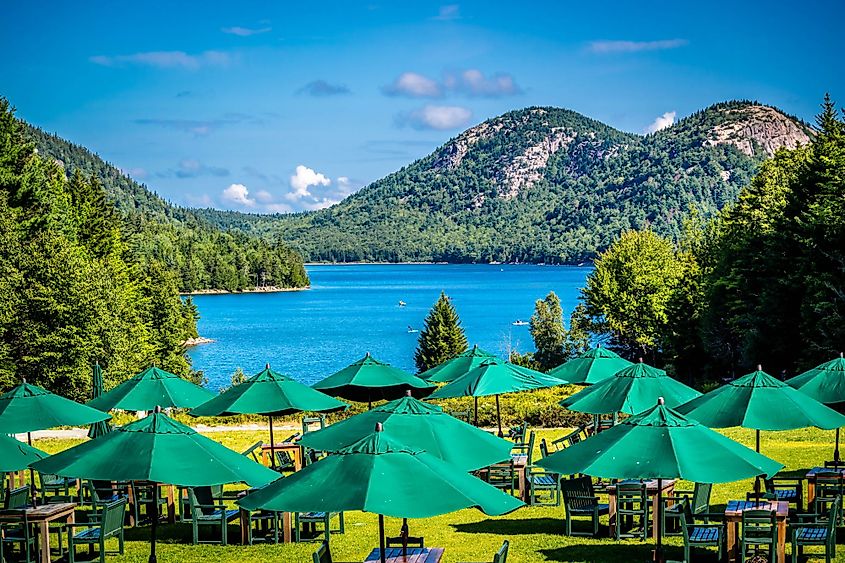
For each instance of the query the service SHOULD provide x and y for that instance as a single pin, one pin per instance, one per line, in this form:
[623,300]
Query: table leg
[245,527]
[522,485]
[611,513]
[44,527]
[782,541]
[171,505]
[130,502]
[733,528]
[297,458]
[811,493]
[286,528]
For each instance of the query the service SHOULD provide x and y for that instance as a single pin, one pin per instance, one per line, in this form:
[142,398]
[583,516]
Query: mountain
[540,184]
[203,256]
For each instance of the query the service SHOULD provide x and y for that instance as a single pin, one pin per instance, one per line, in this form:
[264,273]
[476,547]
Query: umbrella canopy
[591,367]
[369,380]
[457,366]
[419,426]
[98,428]
[495,377]
[26,408]
[661,443]
[824,383]
[159,449]
[152,388]
[269,393]
[381,475]
[15,455]
[631,390]
[761,402]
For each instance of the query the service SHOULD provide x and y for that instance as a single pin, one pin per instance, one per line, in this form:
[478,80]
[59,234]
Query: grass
[535,533]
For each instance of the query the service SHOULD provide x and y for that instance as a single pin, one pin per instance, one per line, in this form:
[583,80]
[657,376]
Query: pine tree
[442,338]
[548,332]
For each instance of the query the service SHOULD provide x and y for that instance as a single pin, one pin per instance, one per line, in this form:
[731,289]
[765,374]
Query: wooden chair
[20,533]
[323,554]
[16,498]
[210,514]
[539,479]
[52,485]
[502,476]
[699,535]
[303,520]
[465,416]
[210,494]
[501,556]
[410,541]
[698,501]
[267,527]
[518,434]
[253,451]
[632,503]
[579,499]
[144,496]
[109,525]
[814,530]
[759,528]
[830,485]
[786,489]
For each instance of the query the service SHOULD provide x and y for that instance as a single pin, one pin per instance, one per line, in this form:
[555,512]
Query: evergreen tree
[548,332]
[442,338]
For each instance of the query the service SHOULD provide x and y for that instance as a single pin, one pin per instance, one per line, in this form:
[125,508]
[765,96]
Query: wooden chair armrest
[807,516]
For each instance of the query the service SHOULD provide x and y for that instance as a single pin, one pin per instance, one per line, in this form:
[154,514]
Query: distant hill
[540,184]
[203,256]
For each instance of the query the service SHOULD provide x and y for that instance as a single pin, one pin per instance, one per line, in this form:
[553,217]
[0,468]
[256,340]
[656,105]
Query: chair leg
[224,531]
[71,549]
[102,550]
[120,542]
[342,524]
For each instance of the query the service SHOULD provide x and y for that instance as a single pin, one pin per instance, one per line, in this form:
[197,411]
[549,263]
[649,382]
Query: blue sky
[280,106]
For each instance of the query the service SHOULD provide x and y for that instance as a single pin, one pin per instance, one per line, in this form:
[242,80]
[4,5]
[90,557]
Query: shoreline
[197,341]
[270,289]
[573,265]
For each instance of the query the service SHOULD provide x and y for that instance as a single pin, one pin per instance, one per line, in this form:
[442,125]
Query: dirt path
[80,433]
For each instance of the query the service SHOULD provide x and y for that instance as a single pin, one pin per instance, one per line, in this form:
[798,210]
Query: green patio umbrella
[630,390]
[457,366]
[369,380]
[26,408]
[826,384]
[381,475]
[591,367]
[15,455]
[660,443]
[152,388]
[420,426]
[495,377]
[98,428]
[268,393]
[160,450]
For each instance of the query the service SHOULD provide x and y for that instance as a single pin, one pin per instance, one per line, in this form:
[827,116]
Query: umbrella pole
[154,528]
[757,479]
[499,418]
[272,446]
[32,489]
[404,533]
[658,553]
[381,538]
[836,450]
[475,400]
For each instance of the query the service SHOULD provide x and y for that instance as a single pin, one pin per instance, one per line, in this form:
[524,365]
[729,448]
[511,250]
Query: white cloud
[661,122]
[263,196]
[239,195]
[303,179]
[413,85]
[165,59]
[245,31]
[472,82]
[439,118]
[604,47]
[449,12]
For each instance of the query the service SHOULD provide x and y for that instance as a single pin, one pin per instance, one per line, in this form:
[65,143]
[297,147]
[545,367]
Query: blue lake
[353,309]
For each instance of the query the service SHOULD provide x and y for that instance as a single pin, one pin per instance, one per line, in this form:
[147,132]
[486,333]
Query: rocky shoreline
[197,341]
[266,289]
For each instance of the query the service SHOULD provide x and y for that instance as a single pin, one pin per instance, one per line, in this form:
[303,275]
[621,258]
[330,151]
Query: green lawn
[535,532]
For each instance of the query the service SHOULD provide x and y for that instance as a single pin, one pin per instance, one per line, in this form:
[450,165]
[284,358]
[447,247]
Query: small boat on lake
[520,322]
[402,303]
[412,330]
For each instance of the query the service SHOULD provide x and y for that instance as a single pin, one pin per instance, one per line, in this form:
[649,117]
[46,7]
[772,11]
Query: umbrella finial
[641,359]
[759,367]
[23,381]
[379,427]
[660,401]
[842,354]
[407,392]
[157,410]
[267,365]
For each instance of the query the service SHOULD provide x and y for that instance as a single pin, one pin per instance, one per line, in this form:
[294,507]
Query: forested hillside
[201,256]
[540,184]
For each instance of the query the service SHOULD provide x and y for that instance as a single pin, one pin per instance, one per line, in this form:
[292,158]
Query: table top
[651,484]
[42,512]
[735,508]
[812,472]
[280,446]
[414,555]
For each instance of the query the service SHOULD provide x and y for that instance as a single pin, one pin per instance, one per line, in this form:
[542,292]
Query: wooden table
[520,464]
[811,481]
[651,491]
[42,516]
[413,555]
[171,500]
[295,451]
[733,516]
[246,526]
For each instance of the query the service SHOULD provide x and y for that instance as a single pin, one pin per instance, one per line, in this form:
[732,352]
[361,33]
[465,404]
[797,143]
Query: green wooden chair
[323,554]
[579,499]
[52,485]
[501,556]
[109,525]
[814,530]
[699,503]
[207,513]
[699,535]
[216,496]
[501,475]
[145,495]
[21,533]
[790,490]
[465,416]
[16,498]
[305,521]
[632,503]
[253,451]
[830,485]
[539,479]
[759,528]
[518,434]
[266,529]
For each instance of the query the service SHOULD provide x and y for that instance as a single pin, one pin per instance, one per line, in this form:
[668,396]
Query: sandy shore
[268,289]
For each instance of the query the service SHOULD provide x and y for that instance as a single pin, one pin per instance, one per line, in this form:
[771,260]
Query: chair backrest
[466,415]
[284,461]
[323,554]
[835,463]
[309,420]
[201,499]
[687,519]
[517,433]
[99,489]
[253,450]
[530,447]
[292,438]
[111,517]
[502,555]
[578,492]
[631,494]
[833,516]
[17,498]
[701,497]
[829,484]
[759,524]
[501,473]
[544,448]
[411,541]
